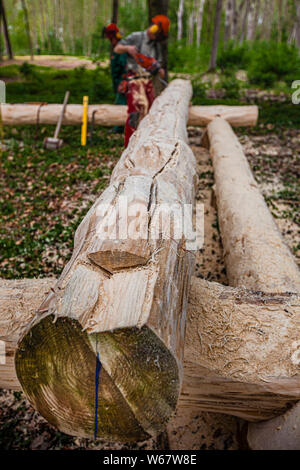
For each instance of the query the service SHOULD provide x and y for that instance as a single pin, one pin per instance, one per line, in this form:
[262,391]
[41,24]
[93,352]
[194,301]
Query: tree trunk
[245,19]
[280,19]
[115,11]
[123,296]
[27,25]
[199,21]
[5,29]
[267,19]
[116,115]
[214,49]
[191,24]
[298,24]
[71,27]
[251,25]
[239,18]
[256,17]
[1,47]
[44,27]
[61,32]
[157,7]
[228,20]
[234,31]
[32,13]
[179,19]
[160,7]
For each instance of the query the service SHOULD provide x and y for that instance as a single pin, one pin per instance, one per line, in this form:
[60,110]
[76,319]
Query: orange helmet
[112,31]
[163,24]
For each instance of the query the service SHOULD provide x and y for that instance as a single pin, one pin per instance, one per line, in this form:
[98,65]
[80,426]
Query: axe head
[51,143]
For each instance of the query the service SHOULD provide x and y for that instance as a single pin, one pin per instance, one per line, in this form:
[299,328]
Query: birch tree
[228,20]
[245,18]
[298,23]
[199,21]
[27,26]
[234,29]
[179,19]
[251,25]
[214,49]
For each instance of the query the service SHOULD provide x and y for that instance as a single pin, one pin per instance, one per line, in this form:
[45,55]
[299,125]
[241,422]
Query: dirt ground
[22,427]
[56,61]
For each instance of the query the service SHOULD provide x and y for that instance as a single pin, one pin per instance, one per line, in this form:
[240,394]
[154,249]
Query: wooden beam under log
[123,295]
[115,115]
[221,321]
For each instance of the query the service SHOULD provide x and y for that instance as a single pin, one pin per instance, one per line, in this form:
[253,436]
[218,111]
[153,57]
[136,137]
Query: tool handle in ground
[84,120]
[58,126]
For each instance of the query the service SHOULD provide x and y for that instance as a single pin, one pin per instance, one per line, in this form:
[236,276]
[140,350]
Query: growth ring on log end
[138,381]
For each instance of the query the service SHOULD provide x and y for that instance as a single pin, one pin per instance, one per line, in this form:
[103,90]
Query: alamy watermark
[296,94]
[134,220]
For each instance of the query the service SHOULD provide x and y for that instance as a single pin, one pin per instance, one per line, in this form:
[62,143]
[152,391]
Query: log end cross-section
[138,380]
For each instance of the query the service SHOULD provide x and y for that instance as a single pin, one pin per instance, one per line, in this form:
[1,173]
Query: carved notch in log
[125,301]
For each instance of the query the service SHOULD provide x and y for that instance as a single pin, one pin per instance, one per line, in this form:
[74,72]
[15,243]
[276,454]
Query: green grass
[36,83]
[45,194]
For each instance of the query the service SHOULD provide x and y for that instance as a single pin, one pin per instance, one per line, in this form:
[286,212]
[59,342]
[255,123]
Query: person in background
[140,91]
[118,67]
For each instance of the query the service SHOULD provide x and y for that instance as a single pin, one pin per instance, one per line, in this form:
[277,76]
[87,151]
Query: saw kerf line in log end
[136,368]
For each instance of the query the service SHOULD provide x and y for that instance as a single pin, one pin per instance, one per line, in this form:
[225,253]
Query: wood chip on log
[125,302]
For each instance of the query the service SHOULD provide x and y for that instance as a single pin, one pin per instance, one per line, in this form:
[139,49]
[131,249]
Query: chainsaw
[150,64]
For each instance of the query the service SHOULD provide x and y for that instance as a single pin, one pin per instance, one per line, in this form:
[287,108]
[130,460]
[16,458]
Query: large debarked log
[121,297]
[242,344]
[256,256]
[115,115]
[242,347]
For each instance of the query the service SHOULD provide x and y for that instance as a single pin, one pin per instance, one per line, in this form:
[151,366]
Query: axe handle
[58,126]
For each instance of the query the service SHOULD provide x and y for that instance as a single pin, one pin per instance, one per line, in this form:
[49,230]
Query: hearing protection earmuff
[154,29]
